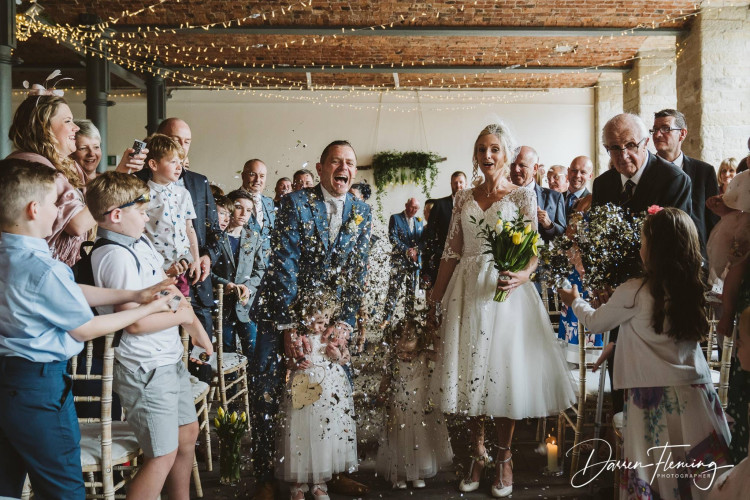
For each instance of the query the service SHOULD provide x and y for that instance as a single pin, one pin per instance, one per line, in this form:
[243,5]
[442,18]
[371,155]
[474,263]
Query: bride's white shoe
[467,485]
[500,490]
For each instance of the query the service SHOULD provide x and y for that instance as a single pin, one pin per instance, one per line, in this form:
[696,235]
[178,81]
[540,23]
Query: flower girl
[318,438]
[415,443]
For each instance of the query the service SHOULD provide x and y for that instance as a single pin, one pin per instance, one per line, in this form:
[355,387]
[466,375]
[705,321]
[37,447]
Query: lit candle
[551,454]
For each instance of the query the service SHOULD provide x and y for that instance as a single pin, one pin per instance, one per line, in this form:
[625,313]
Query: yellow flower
[533,250]
[536,237]
[220,412]
[358,219]
[243,416]
[233,418]
[508,226]
[217,422]
[517,237]
[527,229]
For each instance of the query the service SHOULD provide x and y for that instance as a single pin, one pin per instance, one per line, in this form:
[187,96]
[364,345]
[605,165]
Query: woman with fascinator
[43,132]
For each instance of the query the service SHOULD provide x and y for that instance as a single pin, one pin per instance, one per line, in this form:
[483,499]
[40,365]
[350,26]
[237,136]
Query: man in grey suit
[670,130]
[550,207]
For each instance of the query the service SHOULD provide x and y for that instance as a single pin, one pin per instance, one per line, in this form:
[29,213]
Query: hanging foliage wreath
[396,167]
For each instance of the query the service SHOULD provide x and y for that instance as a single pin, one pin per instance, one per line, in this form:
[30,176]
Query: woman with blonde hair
[496,360]
[43,131]
[727,171]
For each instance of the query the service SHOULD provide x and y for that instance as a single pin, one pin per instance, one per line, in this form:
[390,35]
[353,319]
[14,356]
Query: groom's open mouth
[341,181]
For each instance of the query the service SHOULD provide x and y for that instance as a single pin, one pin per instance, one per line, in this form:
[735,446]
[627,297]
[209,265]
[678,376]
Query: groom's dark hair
[324,155]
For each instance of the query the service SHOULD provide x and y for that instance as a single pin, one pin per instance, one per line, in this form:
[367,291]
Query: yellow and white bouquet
[511,244]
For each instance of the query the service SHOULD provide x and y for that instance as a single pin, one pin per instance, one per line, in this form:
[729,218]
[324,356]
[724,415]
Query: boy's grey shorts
[156,404]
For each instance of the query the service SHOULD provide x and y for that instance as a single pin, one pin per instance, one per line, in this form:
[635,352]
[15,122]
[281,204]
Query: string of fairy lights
[187,66]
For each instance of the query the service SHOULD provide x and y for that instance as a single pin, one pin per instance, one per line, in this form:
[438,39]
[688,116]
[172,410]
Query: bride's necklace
[488,192]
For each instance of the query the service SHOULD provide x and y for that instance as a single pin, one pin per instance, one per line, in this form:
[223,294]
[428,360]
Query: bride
[497,359]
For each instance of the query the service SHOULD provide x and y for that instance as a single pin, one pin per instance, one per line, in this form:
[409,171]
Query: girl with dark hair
[671,410]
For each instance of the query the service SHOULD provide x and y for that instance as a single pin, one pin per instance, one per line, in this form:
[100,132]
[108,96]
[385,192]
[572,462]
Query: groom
[321,238]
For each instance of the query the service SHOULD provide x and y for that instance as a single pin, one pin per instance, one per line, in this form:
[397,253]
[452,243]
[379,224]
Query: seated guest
[727,171]
[149,375]
[303,178]
[46,317]
[239,266]
[670,396]
[283,186]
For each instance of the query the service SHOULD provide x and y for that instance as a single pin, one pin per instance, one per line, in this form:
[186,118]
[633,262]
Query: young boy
[239,266]
[45,317]
[171,212]
[149,375]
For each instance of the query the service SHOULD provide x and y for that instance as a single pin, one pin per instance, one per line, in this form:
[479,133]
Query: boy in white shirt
[171,212]
[149,375]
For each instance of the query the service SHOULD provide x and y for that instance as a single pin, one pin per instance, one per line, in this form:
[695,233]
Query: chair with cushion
[107,447]
[200,399]
[232,377]
[591,388]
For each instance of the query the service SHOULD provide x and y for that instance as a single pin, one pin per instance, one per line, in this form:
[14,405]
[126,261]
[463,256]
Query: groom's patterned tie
[334,219]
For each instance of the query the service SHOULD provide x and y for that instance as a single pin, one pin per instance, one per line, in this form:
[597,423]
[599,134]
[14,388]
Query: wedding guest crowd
[294,270]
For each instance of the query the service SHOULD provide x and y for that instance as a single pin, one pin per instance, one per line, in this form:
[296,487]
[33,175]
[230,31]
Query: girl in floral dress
[670,428]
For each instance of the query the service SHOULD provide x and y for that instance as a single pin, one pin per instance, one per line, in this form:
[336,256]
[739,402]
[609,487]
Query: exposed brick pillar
[651,84]
[608,102]
[713,84]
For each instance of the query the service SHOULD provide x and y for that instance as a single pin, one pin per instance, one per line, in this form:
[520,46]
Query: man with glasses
[668,133]
[638,179]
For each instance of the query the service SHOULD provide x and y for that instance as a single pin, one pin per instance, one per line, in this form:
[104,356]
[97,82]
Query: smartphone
[174,302]
[137,147]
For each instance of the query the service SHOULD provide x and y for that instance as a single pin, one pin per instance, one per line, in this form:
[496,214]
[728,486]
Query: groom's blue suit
[301,259]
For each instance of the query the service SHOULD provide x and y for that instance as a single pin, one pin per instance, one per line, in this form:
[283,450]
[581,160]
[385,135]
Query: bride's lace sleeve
[454,243]
[527,202]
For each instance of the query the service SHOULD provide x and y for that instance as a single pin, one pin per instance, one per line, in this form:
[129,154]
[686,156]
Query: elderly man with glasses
[670,130]
[639,179]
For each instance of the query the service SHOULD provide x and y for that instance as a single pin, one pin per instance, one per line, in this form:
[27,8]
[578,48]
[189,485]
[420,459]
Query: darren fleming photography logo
[662,466]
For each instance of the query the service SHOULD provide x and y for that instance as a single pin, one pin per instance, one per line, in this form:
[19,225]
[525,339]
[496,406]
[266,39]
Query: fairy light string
[200,71]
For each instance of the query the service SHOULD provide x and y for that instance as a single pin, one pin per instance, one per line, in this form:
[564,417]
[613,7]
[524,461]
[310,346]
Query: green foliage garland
[395,167]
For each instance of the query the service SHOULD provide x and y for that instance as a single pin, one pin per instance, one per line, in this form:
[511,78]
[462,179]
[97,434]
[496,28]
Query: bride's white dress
[496,358]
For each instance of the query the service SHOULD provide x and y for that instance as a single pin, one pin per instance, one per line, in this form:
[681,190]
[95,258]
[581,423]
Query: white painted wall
[288,129]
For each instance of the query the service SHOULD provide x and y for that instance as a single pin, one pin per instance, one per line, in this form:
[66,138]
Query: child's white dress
[320,439]
[415,443]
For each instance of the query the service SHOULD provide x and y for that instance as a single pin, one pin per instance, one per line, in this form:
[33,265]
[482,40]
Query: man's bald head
[178,130]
